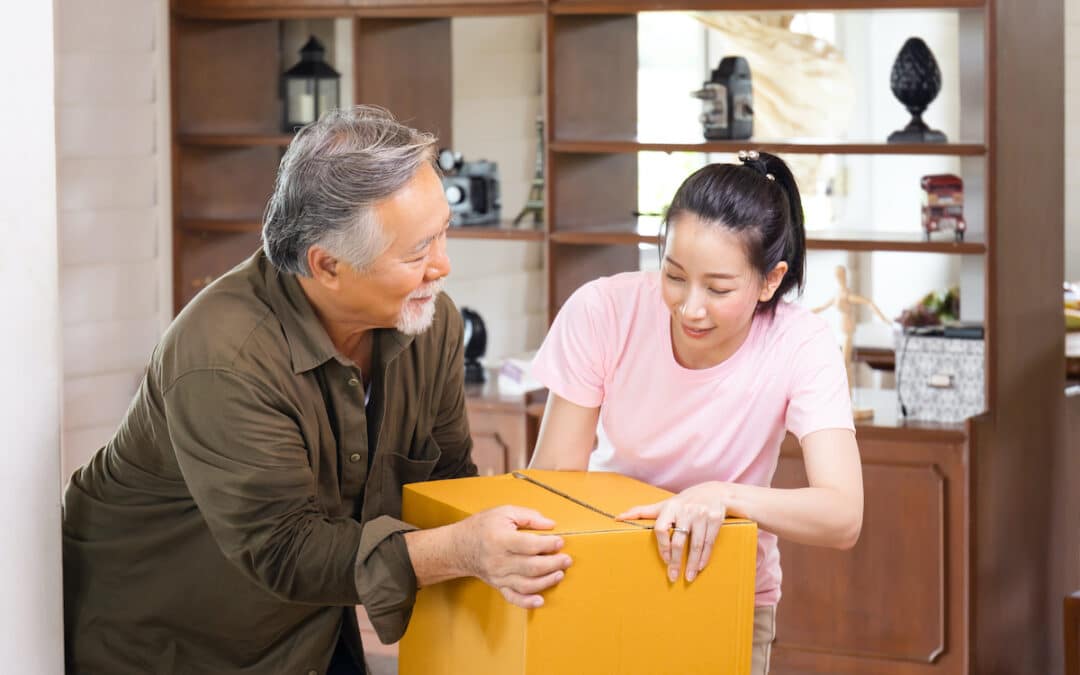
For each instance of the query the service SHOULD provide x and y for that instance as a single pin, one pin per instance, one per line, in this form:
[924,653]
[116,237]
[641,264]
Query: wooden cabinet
[504,427]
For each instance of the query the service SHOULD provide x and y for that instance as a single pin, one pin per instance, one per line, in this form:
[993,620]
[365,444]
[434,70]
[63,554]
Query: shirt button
[312,672]
[354,382]
[355,457]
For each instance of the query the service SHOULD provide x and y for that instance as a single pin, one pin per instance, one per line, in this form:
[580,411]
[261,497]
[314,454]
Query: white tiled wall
[112,192]
[497,96]
[1072,139]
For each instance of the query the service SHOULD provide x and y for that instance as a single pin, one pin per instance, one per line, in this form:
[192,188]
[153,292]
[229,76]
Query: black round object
[475,345]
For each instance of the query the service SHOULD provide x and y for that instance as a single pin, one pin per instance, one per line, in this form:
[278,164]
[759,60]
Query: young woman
[689,379]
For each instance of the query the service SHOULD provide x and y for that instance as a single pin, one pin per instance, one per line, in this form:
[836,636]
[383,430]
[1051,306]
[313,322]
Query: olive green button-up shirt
[250,494]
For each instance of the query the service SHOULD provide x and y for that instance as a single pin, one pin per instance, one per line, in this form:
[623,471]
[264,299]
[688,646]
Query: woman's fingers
[698,529]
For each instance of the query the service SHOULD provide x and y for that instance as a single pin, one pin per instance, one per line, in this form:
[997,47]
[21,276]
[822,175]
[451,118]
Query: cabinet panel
[894,603]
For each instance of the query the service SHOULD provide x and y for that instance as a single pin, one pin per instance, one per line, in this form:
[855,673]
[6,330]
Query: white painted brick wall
[1072,139]
[112,187]
[497,96]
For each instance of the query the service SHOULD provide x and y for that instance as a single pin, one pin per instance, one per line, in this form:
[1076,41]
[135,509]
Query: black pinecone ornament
[916,81]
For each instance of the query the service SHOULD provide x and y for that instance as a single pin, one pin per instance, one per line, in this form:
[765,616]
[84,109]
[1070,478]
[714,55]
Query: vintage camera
[728,100]
[472,189]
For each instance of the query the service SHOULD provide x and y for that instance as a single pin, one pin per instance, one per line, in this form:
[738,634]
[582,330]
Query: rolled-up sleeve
[245,464]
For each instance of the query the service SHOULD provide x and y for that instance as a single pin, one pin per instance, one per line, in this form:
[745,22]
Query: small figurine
[943,205]
[845,302]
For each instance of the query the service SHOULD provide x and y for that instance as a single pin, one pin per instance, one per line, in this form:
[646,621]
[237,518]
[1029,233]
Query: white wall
[31,624]
[497,96]
[112,162]
[1072,139]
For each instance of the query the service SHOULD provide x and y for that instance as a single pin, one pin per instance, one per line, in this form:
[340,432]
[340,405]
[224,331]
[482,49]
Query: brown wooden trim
[504,232]
[219,225]
[234,140]
[603,7]
[825,241]
[777,147]
[389,11]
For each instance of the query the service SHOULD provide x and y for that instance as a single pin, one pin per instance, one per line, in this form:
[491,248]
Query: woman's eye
[715,291]
[674,278]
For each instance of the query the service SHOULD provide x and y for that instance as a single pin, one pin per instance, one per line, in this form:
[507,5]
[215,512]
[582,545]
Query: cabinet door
[894,603]
[252,6]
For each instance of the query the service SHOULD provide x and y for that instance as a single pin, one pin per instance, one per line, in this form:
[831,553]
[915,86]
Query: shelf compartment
[779,147]
[505,231]
[615,7]
[206,257]
[226,77]
[225,183]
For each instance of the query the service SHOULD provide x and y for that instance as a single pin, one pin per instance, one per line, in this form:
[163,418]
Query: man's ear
[772,281]
[324,267]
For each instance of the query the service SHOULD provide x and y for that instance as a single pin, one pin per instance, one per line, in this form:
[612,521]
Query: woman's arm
[827,513]
[566,438]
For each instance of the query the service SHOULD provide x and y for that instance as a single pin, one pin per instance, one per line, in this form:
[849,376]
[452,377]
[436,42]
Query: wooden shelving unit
[961,528]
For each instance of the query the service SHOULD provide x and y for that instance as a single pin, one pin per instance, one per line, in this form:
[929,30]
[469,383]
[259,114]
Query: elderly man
[250,498]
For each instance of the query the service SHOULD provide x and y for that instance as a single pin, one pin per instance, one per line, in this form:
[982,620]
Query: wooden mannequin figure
[845,302]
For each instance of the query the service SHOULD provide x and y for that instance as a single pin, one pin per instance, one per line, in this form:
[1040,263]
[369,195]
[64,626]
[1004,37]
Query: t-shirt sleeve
[571,361]
[819,397]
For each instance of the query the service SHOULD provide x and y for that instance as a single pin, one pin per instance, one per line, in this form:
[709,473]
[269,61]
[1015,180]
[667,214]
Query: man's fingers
[525,543]
[524,585]
[645,511]
[528,519]
[523,601]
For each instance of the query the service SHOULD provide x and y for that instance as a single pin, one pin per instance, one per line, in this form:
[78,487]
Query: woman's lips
[695,333]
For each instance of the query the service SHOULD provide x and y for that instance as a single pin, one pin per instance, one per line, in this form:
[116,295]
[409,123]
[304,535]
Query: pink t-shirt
[610,347]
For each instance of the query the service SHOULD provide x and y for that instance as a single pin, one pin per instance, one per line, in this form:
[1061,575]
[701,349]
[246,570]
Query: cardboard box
[615,611]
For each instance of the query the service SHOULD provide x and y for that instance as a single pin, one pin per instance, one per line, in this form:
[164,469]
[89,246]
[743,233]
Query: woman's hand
[695,516]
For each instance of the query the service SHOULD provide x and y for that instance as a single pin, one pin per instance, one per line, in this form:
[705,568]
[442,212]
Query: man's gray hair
[329,180]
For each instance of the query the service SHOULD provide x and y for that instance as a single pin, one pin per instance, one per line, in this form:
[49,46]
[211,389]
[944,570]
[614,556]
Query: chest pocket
[392,470]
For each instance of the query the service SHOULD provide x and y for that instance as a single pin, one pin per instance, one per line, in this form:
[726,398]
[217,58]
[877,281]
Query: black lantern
[915,82]
[310,87]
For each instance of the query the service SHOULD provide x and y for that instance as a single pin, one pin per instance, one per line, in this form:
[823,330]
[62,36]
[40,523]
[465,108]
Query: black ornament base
[913,133]
[474,373]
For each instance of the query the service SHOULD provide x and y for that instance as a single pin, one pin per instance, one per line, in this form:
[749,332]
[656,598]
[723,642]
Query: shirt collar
[309,344]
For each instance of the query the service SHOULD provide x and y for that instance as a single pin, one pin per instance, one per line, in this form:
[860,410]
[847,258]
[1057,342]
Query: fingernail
[690,574]
[539,602]
[672,575]
[559,576]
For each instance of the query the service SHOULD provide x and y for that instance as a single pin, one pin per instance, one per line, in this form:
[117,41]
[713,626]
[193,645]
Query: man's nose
[440,263]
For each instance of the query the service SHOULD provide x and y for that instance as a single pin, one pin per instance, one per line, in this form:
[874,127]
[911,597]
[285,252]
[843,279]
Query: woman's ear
[772,281]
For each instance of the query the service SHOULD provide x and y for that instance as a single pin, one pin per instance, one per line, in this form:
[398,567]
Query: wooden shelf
[792,146]
[220,225]
[193,9]
[503,232]
[849,240]
[905,242]
[608,7]
[235,140]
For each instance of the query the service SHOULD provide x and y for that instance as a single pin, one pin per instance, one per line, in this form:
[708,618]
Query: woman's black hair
[759,201]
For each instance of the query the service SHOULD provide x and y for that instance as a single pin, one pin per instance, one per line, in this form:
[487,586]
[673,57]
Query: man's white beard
[413,320]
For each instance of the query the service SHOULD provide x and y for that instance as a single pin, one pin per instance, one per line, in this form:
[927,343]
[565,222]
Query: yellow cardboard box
[615,611]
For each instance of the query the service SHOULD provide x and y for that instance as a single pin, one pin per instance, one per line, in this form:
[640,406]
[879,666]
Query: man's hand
[489,546]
